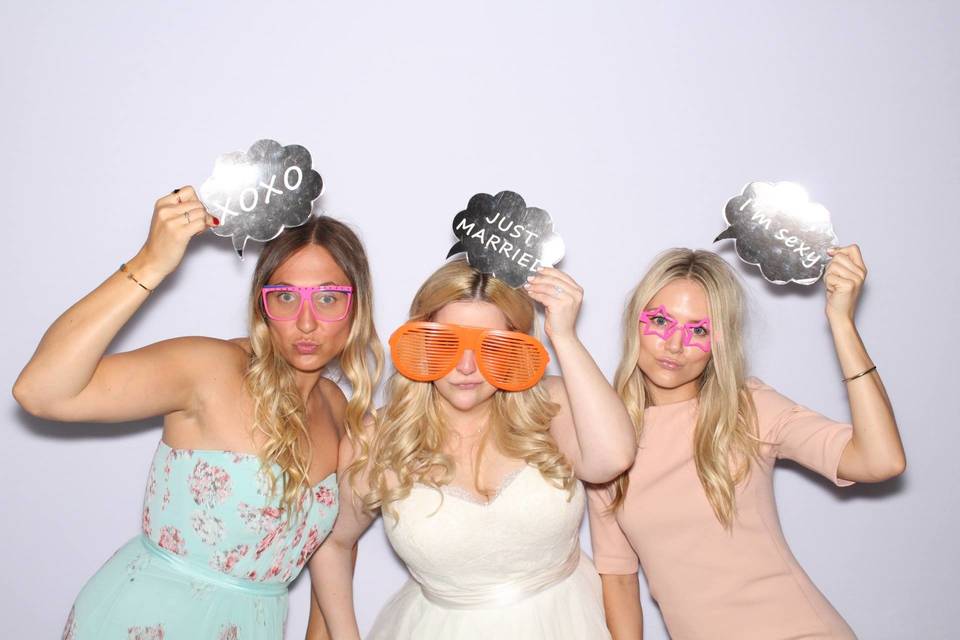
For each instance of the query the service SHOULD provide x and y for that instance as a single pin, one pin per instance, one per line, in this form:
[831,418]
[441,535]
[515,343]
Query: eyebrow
[651,309]
[328,283]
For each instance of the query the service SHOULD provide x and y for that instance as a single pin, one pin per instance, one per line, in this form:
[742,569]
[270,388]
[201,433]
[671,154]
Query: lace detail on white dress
[460,493]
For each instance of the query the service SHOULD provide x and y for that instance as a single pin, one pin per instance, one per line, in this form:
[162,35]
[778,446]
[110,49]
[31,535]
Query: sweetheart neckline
[240,454]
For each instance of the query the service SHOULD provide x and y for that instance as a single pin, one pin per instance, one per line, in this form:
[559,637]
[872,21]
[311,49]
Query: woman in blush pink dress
[697,508]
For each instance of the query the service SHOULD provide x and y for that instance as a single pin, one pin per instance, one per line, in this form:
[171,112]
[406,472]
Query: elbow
[27,398]
[624,460]
[34,401]
[896,467]
[335,547]
[891,468]
[610,469]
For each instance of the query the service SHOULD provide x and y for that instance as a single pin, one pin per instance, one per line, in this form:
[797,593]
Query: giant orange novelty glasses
[427,351]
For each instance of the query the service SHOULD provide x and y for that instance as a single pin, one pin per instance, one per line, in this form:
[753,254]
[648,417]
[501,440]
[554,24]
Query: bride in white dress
[475,462]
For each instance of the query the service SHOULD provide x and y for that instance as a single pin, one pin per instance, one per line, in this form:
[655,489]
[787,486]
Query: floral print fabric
[216,552]
[212,507]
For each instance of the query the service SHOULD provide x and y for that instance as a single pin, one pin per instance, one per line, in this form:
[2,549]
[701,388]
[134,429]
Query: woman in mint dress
[242,489]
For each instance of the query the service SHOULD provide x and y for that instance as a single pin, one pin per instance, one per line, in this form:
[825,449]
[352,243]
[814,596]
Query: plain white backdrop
[631,122]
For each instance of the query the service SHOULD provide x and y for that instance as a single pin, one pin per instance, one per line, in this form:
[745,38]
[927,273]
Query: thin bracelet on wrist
[130,276]
[859,375]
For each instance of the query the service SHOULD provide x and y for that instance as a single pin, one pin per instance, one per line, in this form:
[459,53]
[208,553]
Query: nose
[306,323]
[467,363]
[674,344]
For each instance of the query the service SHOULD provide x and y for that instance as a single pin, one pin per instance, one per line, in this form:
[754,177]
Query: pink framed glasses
[659,322]
[328,303]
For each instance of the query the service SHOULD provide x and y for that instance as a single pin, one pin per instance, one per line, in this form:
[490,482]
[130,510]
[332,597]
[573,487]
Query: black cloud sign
[504,237]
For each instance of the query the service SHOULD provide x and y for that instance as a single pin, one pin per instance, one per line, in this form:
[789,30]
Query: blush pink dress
[710,583]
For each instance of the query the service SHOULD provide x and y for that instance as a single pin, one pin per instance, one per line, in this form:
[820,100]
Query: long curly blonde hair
[279,412]
[725,440]
[408,444]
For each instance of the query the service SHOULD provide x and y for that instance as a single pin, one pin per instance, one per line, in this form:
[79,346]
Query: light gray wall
[632,123]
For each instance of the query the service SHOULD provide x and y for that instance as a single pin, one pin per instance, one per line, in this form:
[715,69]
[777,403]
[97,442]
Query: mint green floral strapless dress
[214,559]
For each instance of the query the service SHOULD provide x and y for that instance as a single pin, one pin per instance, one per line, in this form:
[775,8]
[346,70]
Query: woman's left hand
[560,296]
[844,279]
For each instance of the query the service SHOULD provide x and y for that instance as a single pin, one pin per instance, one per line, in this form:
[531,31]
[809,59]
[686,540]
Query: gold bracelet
[862,373]
[123,269]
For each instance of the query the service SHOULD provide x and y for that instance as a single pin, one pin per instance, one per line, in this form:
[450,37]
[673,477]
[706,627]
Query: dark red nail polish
[216,221]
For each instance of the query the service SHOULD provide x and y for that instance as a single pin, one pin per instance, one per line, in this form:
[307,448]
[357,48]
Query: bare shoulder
[217,366]
[243,343]
[203,353]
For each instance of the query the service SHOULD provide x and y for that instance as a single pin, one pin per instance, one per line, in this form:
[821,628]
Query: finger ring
[558,289]
[186,214]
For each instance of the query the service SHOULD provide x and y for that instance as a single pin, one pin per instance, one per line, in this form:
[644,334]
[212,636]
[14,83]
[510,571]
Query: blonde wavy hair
[408,443]
[279,412]
[725,440]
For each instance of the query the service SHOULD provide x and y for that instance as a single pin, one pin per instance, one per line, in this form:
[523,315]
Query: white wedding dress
[510,568]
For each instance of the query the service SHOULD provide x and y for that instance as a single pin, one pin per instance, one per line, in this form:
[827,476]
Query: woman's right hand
[177,217]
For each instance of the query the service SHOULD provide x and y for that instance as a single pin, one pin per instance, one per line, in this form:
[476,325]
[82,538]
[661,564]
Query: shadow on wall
[51,429]
[859,491]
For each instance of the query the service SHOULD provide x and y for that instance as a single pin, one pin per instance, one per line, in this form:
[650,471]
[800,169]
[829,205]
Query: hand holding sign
[505,238]
[776,227]
[561,297]
[177,218]
[258,193]
[844,280]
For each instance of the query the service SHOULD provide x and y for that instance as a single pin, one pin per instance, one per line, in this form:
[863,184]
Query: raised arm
[69,378]
[592,428]
[331,567]
[875,451]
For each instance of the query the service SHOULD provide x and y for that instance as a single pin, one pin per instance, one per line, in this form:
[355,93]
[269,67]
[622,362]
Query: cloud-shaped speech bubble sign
[776,227]
[260,192]
[504,237]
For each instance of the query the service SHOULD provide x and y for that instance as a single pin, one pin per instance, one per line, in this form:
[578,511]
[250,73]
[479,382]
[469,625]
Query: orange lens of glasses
[427,351]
